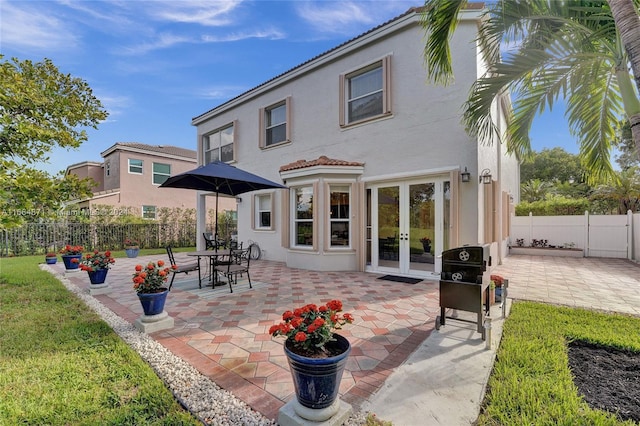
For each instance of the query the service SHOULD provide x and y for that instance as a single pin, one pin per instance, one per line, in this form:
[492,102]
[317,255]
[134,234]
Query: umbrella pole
[216,228]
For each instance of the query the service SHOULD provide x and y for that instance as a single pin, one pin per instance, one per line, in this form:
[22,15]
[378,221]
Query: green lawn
[531,382]
[60,364]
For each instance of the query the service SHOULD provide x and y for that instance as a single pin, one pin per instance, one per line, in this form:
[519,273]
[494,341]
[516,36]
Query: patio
[225,335]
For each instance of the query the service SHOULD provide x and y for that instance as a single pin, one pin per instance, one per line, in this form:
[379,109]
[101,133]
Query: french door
[406,226]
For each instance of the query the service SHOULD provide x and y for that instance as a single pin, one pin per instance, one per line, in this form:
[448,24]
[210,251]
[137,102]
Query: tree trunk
[627,20]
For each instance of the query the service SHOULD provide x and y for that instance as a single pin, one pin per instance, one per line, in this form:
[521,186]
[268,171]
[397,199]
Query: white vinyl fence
[597,235]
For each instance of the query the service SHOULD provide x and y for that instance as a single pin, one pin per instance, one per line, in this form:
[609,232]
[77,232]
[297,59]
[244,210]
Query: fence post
[629,235]
[586,233]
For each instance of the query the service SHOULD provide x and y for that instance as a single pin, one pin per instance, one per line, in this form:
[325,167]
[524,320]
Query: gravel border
[197,393]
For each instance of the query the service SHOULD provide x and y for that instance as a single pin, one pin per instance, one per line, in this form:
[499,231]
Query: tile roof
[323,160]
[163,149]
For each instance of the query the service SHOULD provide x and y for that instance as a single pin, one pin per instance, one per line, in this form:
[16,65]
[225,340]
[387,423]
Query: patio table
[213,256]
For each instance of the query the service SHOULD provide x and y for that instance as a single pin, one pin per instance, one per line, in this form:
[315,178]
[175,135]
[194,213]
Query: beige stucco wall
[424,136]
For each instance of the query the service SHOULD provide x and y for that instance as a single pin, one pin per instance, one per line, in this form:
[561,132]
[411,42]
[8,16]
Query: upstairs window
[218,146]
[135,166]
[365,93]
[107,168]
[275,124]
[161,173]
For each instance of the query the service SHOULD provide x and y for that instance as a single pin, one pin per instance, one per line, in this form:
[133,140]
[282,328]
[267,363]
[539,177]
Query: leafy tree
[40,108]
[569,50]
[551,165]
[628,154]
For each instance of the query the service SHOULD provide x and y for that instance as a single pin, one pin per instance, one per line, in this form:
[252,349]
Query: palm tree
[569,50]
[622,193]
[534,190]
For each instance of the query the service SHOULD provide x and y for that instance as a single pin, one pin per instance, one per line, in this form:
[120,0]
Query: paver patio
[225,335]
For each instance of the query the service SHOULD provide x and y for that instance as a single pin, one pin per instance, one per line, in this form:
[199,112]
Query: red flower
[138,268]
[309,328]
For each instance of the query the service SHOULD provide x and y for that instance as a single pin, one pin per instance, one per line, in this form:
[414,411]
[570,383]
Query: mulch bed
[607,378]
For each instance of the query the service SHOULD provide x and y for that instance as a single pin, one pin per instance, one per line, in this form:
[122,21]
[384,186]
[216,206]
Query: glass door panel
[421,226]
[388,226]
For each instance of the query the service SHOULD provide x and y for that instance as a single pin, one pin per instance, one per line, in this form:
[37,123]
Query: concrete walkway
[400,367]
[444,380]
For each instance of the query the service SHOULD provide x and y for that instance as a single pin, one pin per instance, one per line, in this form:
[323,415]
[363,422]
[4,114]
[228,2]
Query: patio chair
[210,242]
[184,268]
[238,265]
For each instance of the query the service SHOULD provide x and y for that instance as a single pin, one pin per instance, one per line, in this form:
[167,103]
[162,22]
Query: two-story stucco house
[130,176]
[381,174]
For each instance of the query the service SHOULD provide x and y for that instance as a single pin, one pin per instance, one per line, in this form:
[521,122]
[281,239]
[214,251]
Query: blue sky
[157,64]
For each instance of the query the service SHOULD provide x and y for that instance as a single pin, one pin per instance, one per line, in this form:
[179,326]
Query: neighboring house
[130,176]
[382,176]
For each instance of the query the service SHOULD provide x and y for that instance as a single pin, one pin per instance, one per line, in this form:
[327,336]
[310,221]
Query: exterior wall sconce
[238,200]
[466,176]
[485,177]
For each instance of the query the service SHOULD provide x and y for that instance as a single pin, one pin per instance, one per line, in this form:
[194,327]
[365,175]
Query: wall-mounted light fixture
[485,177]
[465,176]
[238,200]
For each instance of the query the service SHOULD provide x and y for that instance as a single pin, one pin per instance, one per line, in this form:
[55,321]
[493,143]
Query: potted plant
[97,265]
[51,258]
[71,256]
[316,354]
[498,281]
[426,244]
[149,282]
[131,247]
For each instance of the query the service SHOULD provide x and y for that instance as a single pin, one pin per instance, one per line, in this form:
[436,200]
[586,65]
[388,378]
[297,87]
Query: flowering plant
[425,240]
[497,279]
[96,261]
[71,250]
[50,254]
[309,328]
[151,278]
[129,242]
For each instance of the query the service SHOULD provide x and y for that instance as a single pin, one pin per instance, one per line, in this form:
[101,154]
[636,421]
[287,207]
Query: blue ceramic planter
[98,277]
[51,260]
[317,380]
[132,252]
[153,303]
[68,263]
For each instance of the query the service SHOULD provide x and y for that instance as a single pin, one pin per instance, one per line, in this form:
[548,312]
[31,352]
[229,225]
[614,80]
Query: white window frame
[153,209]
[215,143]
[141,166]
[259,209]
[263,119]
[345,80]
[155,173]
[342,188]
[295,220]
[107,168]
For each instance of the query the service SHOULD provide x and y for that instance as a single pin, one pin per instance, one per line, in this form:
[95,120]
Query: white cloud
[349,17]
[206,12]
[33,28]
[162,41]
[221,93]
[271,34]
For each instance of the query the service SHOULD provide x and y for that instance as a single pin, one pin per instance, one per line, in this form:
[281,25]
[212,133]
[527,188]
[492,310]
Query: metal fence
[39,238]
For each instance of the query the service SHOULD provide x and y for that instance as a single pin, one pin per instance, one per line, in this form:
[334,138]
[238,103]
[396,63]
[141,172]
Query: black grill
[464,283]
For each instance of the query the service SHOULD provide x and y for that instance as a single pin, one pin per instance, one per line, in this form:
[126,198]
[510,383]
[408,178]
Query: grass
[61,364]
[531,382]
